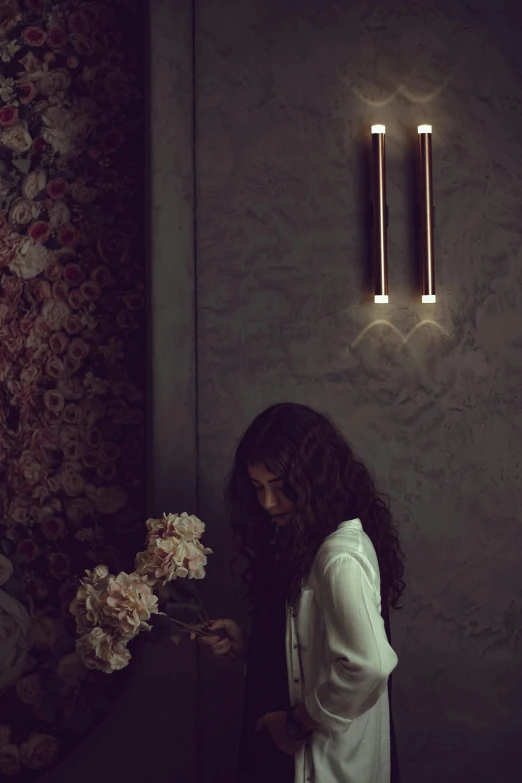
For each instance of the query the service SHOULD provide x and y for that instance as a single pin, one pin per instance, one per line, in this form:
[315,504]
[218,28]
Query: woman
[323,558]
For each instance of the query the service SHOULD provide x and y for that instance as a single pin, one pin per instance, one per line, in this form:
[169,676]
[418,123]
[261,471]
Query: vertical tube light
[380,250]
[426,215]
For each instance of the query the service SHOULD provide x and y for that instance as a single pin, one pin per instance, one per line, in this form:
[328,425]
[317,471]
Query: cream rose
[6,570]
[23,212]
[15,625]
[83,193]
[55,312]
[109,500]
[30,260]
[59,214]
[71,480]
[16,138]
[33,184]
[57,80]
[38,751]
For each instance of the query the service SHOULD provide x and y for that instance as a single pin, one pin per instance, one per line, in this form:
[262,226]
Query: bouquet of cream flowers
[111,610]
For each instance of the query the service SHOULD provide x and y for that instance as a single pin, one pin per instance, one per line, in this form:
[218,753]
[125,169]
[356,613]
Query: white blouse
[338,662]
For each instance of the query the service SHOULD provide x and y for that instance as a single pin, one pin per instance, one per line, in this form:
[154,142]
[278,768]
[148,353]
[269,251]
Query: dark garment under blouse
[266,690]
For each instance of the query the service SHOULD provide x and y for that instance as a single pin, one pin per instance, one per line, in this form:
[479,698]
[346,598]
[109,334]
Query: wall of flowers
[72,353]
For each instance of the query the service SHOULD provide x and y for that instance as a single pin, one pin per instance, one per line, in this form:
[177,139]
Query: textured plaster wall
[428,395]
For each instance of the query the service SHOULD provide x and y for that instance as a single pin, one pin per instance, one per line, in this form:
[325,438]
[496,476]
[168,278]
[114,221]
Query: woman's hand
[275,722]
[228,641]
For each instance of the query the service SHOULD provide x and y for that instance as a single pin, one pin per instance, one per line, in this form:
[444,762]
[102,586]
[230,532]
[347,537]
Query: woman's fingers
[221,652]
[209,641]
[223,644]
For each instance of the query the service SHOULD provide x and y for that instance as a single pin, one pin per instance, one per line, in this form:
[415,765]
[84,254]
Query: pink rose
[102,276]
[28,549]
[57,188]
[41,290]
[90,459]
[93,437]
[109,452]
[72,365]
[69,236]
[55,368]
[72,62]
[106,471]
[39,232]
[113,248]
[38,751]
[134,300]
[78,24]
[83,46]
[28,92]
[73,274]
[57,38]
[75,299]
[73,324]
[8,115]
[90,291]
[60,290]
[59,565]
[73,451]
[112,141]
[34,36]
[53,528]
[53,272]
[53,401]
[58,342]
[78,349]
[71,414]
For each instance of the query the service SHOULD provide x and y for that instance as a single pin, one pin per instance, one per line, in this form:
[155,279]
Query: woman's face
[269,489]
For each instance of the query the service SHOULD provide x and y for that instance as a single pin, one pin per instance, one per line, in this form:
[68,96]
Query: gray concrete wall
[428,395]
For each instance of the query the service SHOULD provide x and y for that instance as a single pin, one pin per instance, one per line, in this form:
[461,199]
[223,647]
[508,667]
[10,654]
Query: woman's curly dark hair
[327,484]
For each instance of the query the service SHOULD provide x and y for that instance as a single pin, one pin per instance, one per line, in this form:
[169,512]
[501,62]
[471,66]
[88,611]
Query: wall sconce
[380,214]
[427,215]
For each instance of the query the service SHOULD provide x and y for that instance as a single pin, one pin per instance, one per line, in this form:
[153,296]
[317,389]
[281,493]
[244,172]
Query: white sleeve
[360,658]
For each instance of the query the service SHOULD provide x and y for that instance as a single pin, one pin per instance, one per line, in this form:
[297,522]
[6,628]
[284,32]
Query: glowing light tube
[426,215]
[379,228]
